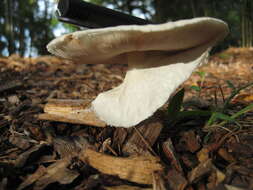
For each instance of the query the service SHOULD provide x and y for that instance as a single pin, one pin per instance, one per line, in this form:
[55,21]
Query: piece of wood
[170,153]
[201,170]
[141,141]
[176,180]
[190,141]
[158,181]
[71,111]
[135,169]
[226,155]
[10,85]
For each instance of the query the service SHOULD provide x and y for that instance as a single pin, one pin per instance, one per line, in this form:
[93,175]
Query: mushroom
[160,57]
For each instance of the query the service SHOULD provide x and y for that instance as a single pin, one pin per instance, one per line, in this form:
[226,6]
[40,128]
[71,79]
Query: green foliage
[235,91]
[199,87]
[237,114]
[194,114]
[27,27]
[224,55]
[98,2]
[175,104]
[70,27]
[30,2]
[231,85]
[196,88]
[224,119]
[218,116]
[54,22]
[202,74]
[215,117]
[164,10]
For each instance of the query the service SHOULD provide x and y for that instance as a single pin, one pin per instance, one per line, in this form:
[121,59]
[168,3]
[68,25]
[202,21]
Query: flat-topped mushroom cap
[160,57]
[107,44]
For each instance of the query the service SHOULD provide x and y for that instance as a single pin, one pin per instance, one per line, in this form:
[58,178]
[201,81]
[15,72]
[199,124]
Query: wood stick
[71,111]
[135,169]
[141,141]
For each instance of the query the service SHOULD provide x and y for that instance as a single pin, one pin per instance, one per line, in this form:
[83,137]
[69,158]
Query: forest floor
[194,152]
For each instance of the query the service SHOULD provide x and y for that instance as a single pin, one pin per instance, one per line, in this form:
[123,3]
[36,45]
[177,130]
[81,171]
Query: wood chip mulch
[156,154]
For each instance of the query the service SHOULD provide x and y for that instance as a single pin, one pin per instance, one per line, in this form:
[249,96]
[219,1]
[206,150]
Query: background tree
[247,23]
[169,10]
[9,26]
[27,26]
[24,26]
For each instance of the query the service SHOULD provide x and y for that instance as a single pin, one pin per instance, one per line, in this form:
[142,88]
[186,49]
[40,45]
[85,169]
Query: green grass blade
[175,104]
[193,114]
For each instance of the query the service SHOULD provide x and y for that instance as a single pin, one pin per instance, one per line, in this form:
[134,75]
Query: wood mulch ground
[157,154]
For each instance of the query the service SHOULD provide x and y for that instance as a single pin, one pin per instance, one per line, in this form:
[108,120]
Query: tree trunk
[21,36]
[194,8]
[250,15]
[9,26]
[242,24]
[21,48]
[246,23]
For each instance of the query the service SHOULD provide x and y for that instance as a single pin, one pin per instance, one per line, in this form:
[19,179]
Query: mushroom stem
[142,92]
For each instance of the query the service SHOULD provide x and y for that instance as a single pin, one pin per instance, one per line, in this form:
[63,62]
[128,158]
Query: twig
[222,93]
[239,113]
[228,100]
[215,98]
[222,140]
[145,141]
[111,149]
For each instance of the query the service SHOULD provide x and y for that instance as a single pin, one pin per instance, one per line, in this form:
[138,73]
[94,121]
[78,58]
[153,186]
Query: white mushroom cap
[160,58]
